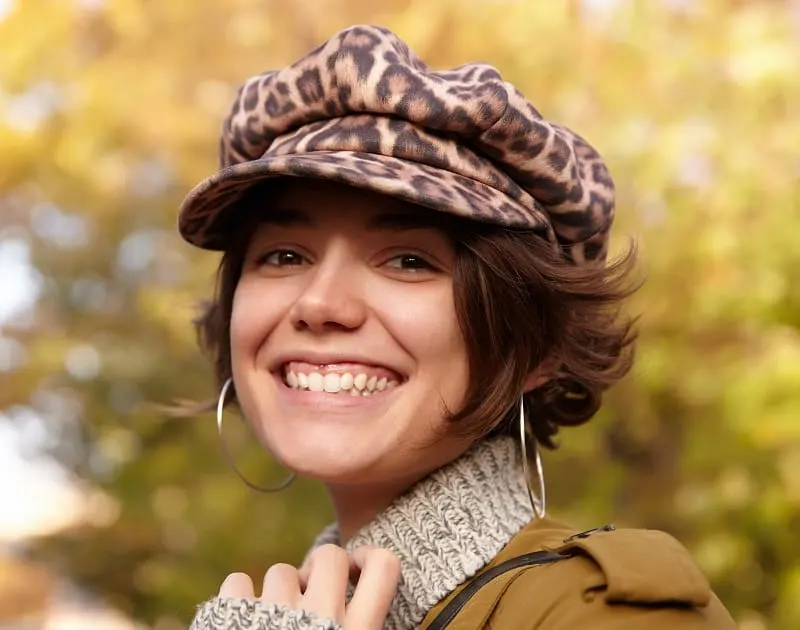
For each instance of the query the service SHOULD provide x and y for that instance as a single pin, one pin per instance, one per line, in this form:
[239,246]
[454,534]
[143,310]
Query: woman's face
[345,347]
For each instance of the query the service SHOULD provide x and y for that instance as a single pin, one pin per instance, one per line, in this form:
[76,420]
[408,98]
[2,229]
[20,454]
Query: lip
[330,358]
[324,401]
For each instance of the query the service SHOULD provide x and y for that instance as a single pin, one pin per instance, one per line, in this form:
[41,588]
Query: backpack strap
[453,607]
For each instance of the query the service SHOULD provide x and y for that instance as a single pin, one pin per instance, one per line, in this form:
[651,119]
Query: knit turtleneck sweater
[444,530]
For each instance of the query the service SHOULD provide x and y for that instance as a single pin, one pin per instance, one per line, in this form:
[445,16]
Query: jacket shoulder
[608,579]
[640,566]
[611,578]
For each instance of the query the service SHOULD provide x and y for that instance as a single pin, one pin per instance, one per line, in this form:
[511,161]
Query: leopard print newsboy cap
[363,110]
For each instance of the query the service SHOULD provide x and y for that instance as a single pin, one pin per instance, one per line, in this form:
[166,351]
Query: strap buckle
[590,532]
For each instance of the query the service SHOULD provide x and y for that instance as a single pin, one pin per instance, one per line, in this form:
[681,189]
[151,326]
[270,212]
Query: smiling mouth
[350,380]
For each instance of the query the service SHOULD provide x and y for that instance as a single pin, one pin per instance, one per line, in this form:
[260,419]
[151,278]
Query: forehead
[317,204]
[295,193]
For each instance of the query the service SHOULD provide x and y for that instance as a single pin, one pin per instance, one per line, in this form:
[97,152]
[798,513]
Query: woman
[413,293]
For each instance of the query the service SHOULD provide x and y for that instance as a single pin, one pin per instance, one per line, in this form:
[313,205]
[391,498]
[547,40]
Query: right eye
[281,258]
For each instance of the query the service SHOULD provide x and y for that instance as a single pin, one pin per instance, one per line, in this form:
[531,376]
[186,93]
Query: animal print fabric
[362,109]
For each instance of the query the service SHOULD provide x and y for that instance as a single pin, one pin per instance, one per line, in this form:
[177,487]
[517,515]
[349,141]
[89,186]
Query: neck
[443,528]
[357,505]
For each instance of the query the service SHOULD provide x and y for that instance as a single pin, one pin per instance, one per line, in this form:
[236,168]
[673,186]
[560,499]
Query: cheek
[252,319]
[426,324]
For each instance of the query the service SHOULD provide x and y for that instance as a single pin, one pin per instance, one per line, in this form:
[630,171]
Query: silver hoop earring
[220,406]
[538,500]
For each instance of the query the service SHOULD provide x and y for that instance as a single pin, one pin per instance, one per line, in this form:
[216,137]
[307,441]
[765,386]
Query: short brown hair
[519,304]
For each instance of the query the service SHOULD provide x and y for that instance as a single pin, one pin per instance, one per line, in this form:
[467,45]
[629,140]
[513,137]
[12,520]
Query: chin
[330,454]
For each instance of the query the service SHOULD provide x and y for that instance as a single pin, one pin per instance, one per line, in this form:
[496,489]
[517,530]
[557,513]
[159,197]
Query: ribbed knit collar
[448,526]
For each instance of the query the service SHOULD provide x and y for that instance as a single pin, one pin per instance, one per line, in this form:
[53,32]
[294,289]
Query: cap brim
[205,214]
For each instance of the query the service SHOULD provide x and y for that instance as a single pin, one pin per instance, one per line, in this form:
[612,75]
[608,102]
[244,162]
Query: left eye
[281,258]
[409,262]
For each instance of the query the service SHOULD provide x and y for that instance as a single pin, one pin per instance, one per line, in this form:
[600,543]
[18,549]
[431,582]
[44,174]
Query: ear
[540,375]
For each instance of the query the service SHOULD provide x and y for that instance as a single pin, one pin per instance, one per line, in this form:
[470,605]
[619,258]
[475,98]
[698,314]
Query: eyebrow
[384,222]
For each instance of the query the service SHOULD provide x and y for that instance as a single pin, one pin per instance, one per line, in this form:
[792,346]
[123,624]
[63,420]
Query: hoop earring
[220,405]
[538,500]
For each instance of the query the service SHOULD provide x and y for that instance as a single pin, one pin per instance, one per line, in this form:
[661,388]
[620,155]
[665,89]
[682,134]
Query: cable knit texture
[247,614]
[444,529]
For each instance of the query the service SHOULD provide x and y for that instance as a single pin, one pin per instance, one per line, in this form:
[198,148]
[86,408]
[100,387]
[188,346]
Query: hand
[320,585]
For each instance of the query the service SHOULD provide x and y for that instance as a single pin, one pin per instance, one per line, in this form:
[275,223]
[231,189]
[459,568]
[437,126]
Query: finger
[376,588]
[281,585]
[326,574]
[237,585]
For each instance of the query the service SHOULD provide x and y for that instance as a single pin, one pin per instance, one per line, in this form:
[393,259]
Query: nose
[332,298]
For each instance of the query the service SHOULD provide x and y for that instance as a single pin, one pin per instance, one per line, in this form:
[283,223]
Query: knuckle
[236,585]
[384,559]
[279,570]
[237,575]
[329,553]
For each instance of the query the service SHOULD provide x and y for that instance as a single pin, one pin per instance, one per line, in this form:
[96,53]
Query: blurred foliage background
[109,113]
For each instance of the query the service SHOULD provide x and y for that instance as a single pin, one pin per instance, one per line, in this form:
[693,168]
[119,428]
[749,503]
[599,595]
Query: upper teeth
[359,384]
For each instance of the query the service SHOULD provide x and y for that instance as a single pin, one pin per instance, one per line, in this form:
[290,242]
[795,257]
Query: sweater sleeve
[251,614]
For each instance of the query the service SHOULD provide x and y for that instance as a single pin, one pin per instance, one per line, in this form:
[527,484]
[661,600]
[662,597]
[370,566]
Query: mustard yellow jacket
[624,579]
